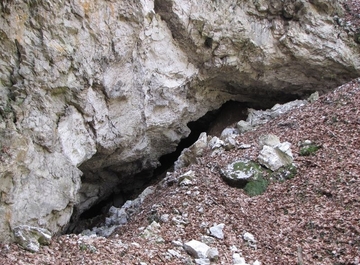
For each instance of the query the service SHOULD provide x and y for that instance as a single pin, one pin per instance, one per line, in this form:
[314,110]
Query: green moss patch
[256,187]
[308,150]
[284,173]
[249,167]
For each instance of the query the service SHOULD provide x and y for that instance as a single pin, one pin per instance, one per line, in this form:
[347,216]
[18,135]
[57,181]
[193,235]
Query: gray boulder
[30,237]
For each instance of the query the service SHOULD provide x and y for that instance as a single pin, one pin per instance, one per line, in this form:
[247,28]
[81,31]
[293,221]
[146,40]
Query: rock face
[94,92]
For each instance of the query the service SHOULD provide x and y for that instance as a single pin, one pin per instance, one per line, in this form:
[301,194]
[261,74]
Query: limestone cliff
[94,92]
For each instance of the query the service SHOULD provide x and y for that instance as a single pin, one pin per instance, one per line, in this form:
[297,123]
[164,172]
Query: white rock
[213,254]
[269,140]
[249,237]
[244,126]
[228,132]
[197,249]
[189,155]
[276,157]
[202,261]
[238,260]
[174,253]
[164,218]
[216,143]
[217,231]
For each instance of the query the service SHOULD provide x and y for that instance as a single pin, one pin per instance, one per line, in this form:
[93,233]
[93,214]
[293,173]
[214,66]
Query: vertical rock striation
[94,92]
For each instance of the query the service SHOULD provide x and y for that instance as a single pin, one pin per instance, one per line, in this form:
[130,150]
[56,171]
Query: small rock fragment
[313,97]
[202,261]
[196,249]
[250,239]
[228,132]
[269,139]
[216,143]
[244,126]
[217,231]
[238,260]
[213,254]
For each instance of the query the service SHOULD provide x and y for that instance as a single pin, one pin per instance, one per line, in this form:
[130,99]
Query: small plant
[309,149]
[83,247]
[87,247]
[256,187]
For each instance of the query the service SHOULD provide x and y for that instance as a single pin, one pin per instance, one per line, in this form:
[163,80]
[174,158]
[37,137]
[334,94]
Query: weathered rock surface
[30,237]
[274,154]
[93,92]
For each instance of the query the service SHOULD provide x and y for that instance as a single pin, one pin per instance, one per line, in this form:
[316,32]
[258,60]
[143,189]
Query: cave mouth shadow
[213,122]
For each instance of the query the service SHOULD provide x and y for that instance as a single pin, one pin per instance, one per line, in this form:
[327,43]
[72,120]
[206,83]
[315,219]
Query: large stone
[240,172]
[94,92]
[30,237]
[275,157]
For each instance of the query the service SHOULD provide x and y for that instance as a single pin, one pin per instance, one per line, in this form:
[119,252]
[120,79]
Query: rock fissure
[212,122]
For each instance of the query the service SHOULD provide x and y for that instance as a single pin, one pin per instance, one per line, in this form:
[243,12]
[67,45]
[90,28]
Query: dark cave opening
[213,122]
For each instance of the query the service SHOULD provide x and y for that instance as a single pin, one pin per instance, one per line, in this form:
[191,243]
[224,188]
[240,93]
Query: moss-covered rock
[239,173]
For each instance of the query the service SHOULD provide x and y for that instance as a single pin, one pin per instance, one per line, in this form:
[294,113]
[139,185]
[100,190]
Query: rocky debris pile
[258,117]
[273,155]
[120,216]
[227,139]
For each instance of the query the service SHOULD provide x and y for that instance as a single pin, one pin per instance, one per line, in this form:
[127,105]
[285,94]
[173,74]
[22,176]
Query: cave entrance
[213,122]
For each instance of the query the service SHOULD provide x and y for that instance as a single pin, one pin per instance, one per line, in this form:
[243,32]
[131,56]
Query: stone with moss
[240,172]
